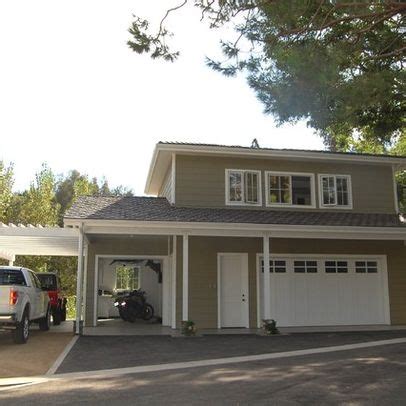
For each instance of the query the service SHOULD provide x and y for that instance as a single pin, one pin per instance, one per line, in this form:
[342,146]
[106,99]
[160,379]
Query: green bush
[71,307]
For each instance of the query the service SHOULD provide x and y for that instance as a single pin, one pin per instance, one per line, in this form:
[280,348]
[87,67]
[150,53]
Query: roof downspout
[395,191]
[173,179]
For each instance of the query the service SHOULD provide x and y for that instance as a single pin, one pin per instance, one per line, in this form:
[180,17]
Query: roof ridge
[351,153]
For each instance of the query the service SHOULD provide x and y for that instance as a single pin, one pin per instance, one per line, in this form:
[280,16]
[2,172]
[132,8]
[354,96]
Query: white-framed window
[335,191]
[127,277]
[243,187]
[277,266]
[289,189]
[366,266]
[304,266]
[336,266]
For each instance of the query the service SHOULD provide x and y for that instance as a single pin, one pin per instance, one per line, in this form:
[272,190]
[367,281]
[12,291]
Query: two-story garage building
[236,235]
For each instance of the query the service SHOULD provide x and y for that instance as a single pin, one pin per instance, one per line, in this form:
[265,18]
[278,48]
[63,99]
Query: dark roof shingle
[159,209]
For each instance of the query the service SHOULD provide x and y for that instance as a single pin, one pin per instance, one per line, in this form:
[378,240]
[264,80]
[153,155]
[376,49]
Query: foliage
[71,307]
[188,328]
[38,204]
[400,149]
[45,203]
[6,191]
[75,184]
[269,327]
[336,64]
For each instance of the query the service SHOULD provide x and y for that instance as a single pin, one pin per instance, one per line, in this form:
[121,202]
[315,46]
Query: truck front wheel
[22,331]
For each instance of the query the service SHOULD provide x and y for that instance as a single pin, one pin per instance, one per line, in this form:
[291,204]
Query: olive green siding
[200,180]
[148,246]
[203,276]
[203,252]
[203,270]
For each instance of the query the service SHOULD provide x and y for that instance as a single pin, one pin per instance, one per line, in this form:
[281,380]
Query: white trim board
[133,227]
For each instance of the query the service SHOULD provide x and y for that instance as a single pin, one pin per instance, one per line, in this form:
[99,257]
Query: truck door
[35,294]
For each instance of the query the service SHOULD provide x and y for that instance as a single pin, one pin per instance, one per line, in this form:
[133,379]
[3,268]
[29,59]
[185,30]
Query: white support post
[79,282]
[84,300]
[185,281]
[267,280]
[11,260]
[174,253]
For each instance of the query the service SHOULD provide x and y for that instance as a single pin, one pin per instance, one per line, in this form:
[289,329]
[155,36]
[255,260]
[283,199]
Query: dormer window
[288,189]
[243,187]
[335,191]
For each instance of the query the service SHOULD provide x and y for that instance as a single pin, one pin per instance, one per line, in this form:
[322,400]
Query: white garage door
[317,291]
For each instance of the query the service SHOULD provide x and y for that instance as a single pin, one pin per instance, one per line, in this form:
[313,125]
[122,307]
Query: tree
[6,191]
[336,64]
[38,205]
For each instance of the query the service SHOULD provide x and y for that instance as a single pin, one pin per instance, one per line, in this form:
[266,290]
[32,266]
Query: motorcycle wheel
[148,312]
[123,314]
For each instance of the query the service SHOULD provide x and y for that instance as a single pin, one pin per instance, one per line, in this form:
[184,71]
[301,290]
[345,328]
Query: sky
[73,95]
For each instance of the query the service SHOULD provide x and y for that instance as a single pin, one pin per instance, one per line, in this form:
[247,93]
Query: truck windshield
[12,277]
[48,281]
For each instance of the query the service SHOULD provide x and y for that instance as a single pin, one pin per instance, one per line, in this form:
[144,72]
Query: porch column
[11,260]
[174,254]
[185,281]
[79,282]
[267,280]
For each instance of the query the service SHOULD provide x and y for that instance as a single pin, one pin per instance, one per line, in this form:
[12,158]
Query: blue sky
[73,95]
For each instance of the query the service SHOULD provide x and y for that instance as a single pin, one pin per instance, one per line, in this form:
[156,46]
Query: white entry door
[233,290]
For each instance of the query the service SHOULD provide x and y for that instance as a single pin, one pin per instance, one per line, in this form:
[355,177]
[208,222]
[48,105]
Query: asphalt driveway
[368,376]
[98,352]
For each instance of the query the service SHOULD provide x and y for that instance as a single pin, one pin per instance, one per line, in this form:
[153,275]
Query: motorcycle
[133,306]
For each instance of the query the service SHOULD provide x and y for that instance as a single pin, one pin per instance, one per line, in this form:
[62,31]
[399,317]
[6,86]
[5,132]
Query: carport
[40,240]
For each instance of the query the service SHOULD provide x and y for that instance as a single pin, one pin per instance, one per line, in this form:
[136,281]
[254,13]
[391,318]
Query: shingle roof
[158,209]
[323,152]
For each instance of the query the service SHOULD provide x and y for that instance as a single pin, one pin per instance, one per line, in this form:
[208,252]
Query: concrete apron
[16,383]
[118,327]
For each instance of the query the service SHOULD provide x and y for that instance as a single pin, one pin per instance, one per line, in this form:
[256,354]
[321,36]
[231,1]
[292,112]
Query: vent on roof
[254,144]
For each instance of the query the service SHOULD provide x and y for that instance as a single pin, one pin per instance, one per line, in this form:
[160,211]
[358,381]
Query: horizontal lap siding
[200,181]
[203,276]
[203,270]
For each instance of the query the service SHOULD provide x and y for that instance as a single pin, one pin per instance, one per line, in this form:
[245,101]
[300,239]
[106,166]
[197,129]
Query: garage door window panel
[305,266]
[336,266]
[366,266]
[277,266]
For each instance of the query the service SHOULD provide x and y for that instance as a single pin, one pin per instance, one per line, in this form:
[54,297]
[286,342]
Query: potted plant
[188,328]
[269,327]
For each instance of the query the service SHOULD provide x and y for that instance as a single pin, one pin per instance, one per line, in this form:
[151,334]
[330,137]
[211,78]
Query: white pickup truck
[22,301]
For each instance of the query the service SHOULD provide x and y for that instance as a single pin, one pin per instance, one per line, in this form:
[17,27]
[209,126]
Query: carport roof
[156,209]
[37,240]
